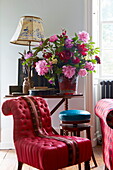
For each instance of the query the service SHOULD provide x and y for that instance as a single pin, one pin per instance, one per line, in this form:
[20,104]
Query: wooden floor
[8,161]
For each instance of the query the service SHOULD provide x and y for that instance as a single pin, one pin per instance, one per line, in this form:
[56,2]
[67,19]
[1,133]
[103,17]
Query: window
[106,37]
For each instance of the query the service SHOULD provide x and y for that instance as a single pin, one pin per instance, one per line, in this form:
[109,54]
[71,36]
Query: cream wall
[68,14]
[0,63]
[56,14]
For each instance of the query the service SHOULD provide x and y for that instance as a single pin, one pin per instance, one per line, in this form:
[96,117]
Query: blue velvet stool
[75,116]
[73,122]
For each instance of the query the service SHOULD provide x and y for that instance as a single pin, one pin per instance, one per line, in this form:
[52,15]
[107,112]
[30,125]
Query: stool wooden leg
[61,131]
[78,133]
[66,132]
[89,137]
[74,133]
[88,133]
[94,160]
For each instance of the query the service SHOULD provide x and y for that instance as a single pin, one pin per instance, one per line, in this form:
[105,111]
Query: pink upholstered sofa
[104,110]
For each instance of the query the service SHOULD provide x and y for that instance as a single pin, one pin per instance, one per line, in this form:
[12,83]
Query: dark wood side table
[64,99]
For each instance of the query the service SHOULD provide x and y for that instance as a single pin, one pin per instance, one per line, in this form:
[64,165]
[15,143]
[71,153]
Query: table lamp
[29,31]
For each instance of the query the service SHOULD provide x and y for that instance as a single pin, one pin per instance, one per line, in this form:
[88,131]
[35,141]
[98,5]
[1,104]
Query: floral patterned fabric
[104,110]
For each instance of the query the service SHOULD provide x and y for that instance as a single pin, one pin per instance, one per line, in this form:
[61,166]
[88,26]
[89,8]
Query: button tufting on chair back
[23,126]
[36,144]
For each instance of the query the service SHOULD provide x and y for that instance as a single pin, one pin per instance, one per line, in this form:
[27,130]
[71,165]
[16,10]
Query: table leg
[66,104]
[57,106]
[54,109]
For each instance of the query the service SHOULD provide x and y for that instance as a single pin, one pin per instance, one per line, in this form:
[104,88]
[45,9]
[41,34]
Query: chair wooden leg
[87,165]
[20,165]
[79,166]
[94,160]
[89,137]
[106,168]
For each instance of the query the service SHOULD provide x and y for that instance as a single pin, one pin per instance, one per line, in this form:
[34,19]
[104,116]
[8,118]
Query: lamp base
[26,85]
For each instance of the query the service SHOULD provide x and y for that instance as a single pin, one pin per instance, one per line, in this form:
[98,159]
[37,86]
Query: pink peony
[68,71]
[41,67]
[83,36]
[90,66]
[53,38]
[28,55]
[82,72]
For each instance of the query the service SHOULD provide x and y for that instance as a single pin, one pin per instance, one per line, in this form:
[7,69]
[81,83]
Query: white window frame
[97,33]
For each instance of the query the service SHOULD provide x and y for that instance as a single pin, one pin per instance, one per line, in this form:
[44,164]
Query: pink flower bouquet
[62,55]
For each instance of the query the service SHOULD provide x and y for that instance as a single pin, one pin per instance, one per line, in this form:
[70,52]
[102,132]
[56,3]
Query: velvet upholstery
[104,110]
[74,115]
[39,150]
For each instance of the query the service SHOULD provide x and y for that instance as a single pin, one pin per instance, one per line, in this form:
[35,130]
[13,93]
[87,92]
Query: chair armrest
[104,110]
[6,107]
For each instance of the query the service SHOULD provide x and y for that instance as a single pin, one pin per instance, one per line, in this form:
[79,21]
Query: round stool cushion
[74,115]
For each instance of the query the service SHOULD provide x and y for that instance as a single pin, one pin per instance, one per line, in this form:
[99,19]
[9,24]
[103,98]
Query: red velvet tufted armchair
[36,144]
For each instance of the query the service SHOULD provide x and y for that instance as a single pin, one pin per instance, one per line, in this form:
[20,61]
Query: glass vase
[68,86]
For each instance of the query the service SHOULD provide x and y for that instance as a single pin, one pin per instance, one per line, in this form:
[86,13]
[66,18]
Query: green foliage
[65,51]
